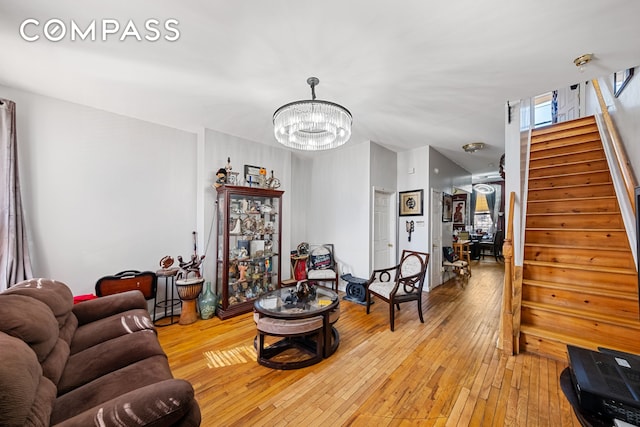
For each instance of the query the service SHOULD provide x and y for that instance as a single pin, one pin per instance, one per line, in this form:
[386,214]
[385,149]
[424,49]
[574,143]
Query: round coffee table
[279,312]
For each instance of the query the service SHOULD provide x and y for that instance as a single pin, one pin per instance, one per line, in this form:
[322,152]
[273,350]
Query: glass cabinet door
[248,246]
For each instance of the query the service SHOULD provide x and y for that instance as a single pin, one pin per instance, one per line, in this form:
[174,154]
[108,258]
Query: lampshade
[312,125]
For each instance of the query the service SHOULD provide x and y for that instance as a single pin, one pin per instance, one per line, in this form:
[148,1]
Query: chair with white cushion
[322,265]
[399,284]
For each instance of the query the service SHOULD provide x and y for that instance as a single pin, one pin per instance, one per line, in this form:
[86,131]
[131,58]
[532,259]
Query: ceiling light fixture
[484,188]
[473,147]
[312,125]
[582,61]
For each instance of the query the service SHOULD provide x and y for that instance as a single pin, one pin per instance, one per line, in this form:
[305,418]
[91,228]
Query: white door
[435,261]
[568,103]
[384,254]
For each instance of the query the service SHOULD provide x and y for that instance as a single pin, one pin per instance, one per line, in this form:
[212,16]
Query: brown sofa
[98,362]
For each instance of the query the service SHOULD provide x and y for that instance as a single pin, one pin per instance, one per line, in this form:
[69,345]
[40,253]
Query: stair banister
[620,167]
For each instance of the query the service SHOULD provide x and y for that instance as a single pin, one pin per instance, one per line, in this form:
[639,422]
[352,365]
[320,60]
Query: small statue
[190,267]
[221,178]
[273,182]
[242,268]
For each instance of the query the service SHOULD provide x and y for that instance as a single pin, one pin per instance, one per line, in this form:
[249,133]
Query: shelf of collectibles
[248,246]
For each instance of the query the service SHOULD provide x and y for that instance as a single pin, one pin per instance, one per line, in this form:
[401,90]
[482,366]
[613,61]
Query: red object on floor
[85,297]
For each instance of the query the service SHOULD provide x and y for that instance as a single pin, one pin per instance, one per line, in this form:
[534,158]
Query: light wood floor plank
[445,372]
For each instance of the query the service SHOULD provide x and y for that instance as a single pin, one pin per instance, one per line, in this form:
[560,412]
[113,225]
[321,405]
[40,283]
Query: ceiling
[412,72]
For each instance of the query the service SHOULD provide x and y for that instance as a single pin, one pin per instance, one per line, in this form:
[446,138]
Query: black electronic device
[607,382]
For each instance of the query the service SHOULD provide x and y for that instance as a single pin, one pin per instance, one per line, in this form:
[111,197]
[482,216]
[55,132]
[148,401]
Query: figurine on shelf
[273,182]
[221,178]
[242,268]
[232,177]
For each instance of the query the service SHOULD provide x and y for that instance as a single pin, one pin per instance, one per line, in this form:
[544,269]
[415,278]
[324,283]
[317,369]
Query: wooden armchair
[399,284]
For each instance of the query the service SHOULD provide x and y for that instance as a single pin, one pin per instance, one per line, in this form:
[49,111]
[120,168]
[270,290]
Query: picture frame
[447,207]
[460,212]
[620,80]
[411,203]
[252,174]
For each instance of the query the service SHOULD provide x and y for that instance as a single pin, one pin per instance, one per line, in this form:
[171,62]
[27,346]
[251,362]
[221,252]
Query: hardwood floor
[445,372]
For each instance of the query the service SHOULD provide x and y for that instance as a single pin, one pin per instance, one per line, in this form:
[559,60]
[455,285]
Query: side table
[168,304]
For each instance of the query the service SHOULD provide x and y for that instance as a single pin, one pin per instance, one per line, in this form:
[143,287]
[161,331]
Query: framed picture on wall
[447,207]
[459,212]
[620,80]
[411,203]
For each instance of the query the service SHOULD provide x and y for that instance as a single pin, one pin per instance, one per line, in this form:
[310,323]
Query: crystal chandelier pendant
[312,125]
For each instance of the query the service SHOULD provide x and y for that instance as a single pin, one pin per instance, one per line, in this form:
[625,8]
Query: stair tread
[577,199]
[565,311]
[574,213]
[582,289]
[599,248]
[574,229]
[562,165]
[612,270]
[560,187]
[564,175]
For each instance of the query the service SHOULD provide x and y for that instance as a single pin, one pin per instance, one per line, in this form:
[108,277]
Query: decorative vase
[207,302]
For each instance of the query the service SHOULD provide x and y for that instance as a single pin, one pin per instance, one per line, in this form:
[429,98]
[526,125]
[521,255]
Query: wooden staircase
[580,284]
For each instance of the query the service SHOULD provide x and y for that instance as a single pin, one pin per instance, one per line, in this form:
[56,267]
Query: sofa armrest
[99,308]
[167,403]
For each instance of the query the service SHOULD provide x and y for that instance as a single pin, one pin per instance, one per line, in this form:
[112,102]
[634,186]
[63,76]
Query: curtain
[491,202]
[15,264]
[472,209]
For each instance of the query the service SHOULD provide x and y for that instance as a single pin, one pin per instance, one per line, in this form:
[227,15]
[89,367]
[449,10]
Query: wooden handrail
[507,292]
[618,148]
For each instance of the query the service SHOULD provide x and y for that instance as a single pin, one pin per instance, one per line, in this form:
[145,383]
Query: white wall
[450,176]
[625,112]
[338,205]
[218,147]
[102,192]
[413,174]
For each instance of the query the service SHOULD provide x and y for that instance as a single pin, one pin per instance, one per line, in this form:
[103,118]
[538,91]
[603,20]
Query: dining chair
[399,284]
[494,245]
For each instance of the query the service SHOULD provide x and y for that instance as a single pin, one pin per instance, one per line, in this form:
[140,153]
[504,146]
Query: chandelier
[312,125]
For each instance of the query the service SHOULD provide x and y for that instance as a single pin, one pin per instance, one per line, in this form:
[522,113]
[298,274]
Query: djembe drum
[188,291]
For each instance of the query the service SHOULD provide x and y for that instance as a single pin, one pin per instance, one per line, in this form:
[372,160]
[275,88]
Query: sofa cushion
[139,374]
[29,320]
[56,295]
[108,356]
[166,403]
[56,361]
[110,327]
[26,397]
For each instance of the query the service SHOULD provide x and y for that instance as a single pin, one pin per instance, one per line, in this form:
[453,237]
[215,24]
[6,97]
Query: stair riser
[583,145]
[543,347]
[557,350]
[593,190]
[539,139]
[608,204]
[588,303]
[592,238]
[583,121]
[591,279]
[555,170]
[549,159]
[569,180]
[606,334]
[575,221]
[586,257]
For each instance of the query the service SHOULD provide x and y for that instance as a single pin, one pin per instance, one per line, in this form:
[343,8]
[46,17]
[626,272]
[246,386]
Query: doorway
[435,262]
[384,229]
